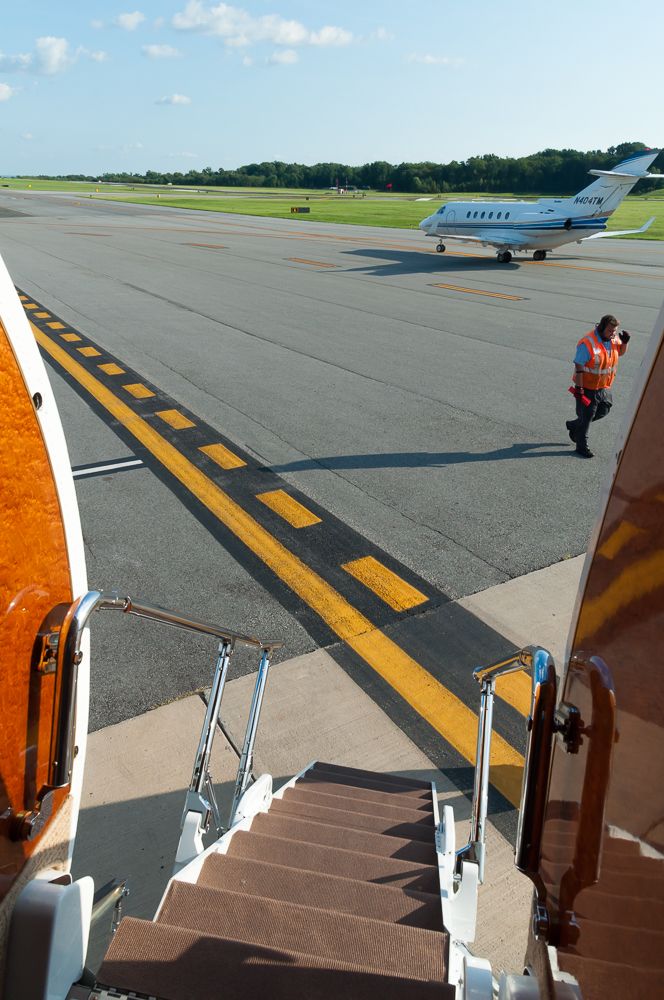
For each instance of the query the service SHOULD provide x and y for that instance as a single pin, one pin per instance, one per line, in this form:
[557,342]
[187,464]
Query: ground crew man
[595,366]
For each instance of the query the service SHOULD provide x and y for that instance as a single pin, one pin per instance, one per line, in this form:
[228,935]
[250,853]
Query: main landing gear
[539,255]
[504,256]
[440,248]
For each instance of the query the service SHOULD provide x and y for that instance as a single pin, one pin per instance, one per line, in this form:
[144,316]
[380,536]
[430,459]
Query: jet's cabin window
[491,215]
[482,215]
[468,214]
[507,215]
[499,215]
[474,215]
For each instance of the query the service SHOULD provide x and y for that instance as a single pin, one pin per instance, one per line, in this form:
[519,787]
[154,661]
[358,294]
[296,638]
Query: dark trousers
[601,402]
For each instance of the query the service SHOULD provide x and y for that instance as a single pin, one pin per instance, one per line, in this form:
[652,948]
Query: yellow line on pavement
[223,456]
[316,263]
[439,707]
[386,584]
[478,291]
[175,419]
[586,267]
[138,390]
[289,508]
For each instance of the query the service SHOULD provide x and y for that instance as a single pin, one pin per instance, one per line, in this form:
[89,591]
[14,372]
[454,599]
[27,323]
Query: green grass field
[376,209]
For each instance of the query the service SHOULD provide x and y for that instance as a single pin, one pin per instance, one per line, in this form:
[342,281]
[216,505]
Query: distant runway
[412,402]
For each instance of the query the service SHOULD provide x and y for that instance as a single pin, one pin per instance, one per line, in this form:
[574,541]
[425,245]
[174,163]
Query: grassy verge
[393,213]
[400,211]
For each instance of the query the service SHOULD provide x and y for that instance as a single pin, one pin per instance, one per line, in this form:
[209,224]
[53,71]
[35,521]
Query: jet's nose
[425,224]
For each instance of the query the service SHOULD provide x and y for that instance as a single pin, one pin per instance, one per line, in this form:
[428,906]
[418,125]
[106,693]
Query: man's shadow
[425,459]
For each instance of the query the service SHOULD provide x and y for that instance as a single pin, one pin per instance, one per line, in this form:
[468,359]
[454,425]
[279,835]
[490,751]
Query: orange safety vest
[600,369]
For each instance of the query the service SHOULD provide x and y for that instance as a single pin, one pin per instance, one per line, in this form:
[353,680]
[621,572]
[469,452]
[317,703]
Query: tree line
[551,171]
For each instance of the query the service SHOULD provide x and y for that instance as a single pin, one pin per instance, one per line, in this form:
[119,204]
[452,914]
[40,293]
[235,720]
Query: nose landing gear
[504,256]
[440,248]
[539,255]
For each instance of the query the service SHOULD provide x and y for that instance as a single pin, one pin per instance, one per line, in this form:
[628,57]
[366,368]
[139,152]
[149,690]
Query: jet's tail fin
[603,196]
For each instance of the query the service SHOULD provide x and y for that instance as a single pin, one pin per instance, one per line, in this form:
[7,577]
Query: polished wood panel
[602,864]
[34,577]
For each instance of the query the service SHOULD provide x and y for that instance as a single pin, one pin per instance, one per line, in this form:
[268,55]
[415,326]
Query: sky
[100,87]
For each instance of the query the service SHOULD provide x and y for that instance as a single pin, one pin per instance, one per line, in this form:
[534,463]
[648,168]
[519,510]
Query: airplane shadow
[396,262]
[424,459]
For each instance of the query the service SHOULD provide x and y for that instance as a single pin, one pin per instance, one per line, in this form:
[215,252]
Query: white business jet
[541,225]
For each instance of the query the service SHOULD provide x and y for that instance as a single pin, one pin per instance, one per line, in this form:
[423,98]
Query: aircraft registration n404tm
[542,225]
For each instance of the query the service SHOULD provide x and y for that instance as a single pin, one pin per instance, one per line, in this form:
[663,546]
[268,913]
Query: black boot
[571,430]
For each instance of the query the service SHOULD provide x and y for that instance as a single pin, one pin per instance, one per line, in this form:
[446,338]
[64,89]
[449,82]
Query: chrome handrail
[176,620]
[539,664]
[247,755]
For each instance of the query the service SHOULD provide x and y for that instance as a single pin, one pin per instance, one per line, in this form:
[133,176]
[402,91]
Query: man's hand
[624,336]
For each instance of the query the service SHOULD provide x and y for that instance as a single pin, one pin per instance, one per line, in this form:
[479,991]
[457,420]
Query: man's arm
[580,360]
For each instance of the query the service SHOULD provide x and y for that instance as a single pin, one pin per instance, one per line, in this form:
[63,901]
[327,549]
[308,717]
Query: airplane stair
[333,892]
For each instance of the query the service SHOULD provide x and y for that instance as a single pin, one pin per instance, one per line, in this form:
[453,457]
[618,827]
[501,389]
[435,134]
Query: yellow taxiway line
[479,291]
[446,713]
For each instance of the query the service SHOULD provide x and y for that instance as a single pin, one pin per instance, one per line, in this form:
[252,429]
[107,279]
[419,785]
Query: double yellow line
[446,713]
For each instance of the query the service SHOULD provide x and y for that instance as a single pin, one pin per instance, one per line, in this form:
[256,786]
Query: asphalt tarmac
[415,401]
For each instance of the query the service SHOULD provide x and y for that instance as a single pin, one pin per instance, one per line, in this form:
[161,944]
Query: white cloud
[96,24]
[160,51]
[382,35]
[10,63]
[28,136]
[238,28]
[331,36]
[429,60]
[174,99]
[283,57]
[6,91]
[130,21]
[247,61]
[52,55]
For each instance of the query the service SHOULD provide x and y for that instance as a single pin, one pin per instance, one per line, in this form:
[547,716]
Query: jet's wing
[620,232]
[503,239]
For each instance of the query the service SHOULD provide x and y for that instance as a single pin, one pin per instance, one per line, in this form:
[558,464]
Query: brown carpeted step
[335,861]
[270,923]
[303,793]
[353,820]
[358,772]
[351,791]
[397,792]
[606,980]
[327,892]
[592,904]
[294,828]
[177,964]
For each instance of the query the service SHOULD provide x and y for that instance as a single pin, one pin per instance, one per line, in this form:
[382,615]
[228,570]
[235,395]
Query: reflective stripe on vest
[600,369]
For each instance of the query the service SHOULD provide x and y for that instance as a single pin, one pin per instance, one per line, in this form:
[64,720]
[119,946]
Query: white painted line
[109,467]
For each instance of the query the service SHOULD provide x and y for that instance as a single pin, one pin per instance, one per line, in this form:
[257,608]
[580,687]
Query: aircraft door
[450,220]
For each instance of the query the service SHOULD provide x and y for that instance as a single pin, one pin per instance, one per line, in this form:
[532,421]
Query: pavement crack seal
[438,706]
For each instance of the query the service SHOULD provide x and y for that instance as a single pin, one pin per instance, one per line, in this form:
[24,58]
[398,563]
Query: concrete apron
[137,771]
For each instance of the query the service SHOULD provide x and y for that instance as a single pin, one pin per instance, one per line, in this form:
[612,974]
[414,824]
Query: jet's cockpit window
[441,210]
